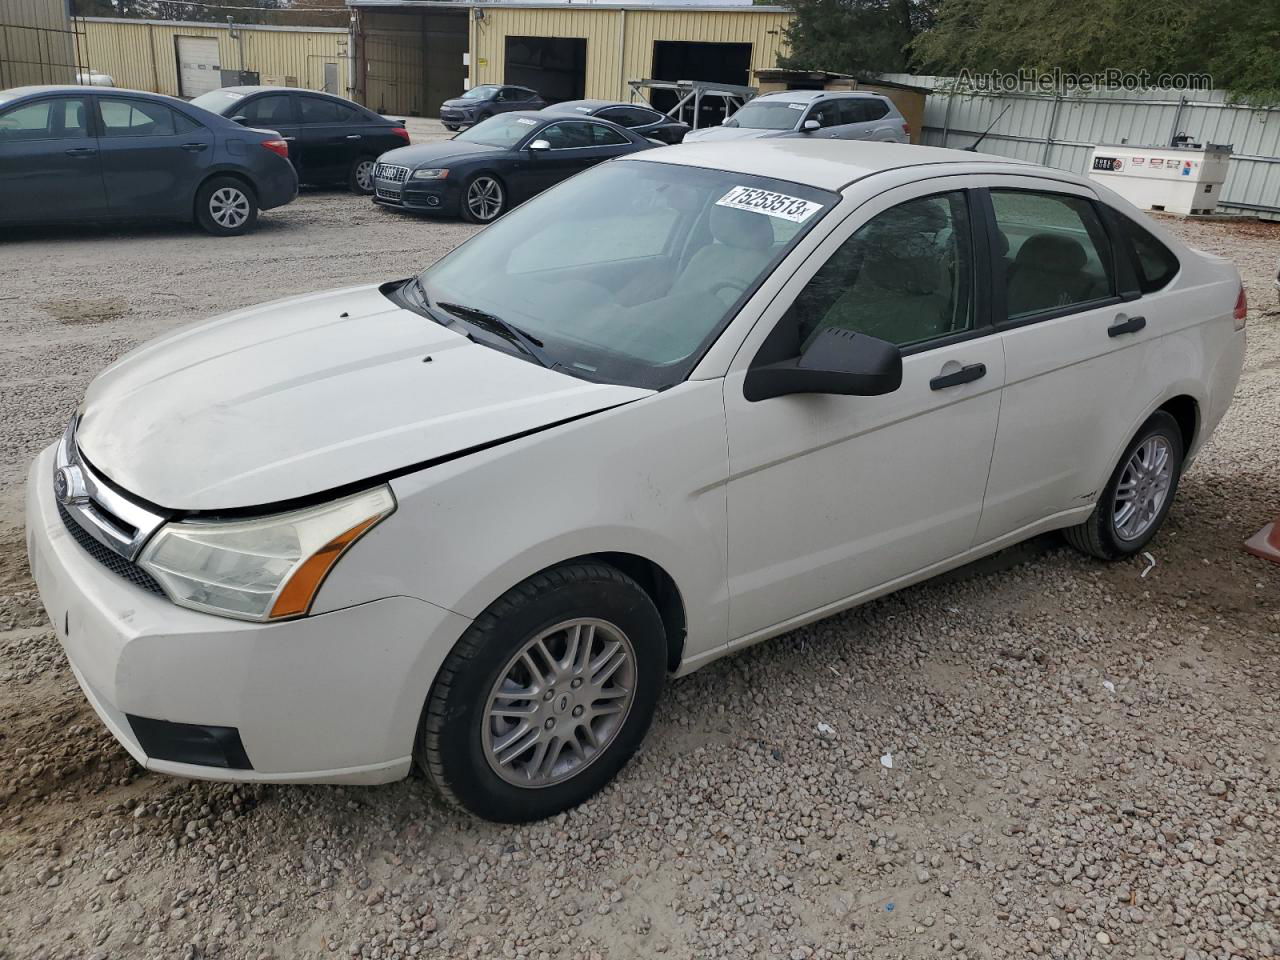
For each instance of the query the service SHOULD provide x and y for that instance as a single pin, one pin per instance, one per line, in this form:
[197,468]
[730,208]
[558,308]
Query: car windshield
[482,92]
[627,272]
[217,101]
[504,130]
[767,115]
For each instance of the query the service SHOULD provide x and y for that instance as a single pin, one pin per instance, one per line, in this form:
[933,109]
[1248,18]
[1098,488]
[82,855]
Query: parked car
[812,113]
[331,140]
[76,154]
[498,163]
[637,118]
[488,99]
[679,404]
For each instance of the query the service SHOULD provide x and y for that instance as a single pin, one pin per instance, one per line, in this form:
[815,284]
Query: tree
[858,37]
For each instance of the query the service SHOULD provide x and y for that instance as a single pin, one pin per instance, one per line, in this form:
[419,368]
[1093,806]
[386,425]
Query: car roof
[581,106]
[808,96]
[830,164]
[14,92]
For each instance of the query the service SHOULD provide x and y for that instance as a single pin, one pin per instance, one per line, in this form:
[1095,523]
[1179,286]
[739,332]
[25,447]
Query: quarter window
[1155,263]
[45,120]
[602,136]
[1058,254]
[141,118]
[905,276]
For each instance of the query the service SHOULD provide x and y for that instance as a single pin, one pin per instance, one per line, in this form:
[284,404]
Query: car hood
[431,154]
[301,396]
[731,133]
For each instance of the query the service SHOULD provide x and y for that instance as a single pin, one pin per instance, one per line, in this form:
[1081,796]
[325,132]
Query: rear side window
[876,109]
[141,118]
[1058,253]
[273,108]
[317,110]
[44,120]
[629,116]
[1154,263]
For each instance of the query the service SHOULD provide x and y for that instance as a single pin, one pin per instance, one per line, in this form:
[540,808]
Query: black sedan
[487,100]
[639,119]
[498,163]
[331,140]
[74,154]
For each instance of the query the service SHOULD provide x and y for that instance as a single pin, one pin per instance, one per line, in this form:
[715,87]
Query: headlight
[265,568]
[433,174]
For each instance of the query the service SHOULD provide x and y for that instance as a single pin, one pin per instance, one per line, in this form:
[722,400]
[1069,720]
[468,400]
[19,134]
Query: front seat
[741,246]
[1047,273]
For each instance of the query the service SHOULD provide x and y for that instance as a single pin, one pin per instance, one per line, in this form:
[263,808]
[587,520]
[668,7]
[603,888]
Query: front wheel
[483,199]
[451,127]
[360,177]
[226,207]
[1138,496]
[546,696]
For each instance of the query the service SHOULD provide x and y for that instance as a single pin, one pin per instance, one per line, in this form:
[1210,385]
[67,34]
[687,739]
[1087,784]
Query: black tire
[451,742]
[470,215]
[1099,535]
[360,176]
[226,207]
[451,127]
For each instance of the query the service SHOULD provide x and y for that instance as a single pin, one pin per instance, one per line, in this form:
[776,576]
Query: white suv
[679,404]
[812,113]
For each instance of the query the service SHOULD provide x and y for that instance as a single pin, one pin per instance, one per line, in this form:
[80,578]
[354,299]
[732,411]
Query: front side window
[763,114]
[482,92]
[905,276]
[627,271]
[827,114]
[273,108]
[1059,256]
[505,130]
[59,119]
[602,136]
[140,118]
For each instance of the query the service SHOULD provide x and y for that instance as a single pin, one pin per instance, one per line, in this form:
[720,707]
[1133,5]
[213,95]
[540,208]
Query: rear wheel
[226,207]
[451,127]
[1138,496]
[483,198]
[546,696]
[360,177]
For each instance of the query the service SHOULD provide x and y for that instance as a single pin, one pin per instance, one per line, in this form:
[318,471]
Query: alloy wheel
[1143,488]
[364,175]
[559,702]
[229,207]
[484,198]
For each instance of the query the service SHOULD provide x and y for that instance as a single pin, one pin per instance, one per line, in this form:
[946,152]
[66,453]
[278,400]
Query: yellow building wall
[620,42]
[37,44]
[142,54]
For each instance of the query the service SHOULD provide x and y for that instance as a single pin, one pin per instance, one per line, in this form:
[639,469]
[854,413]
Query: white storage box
[1183,180]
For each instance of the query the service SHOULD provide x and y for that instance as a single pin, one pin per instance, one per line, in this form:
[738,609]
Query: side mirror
[837,361]
[538,145]
[810,125]
[240,119]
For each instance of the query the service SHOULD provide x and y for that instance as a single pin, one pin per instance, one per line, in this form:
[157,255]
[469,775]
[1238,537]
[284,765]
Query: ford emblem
[68,486]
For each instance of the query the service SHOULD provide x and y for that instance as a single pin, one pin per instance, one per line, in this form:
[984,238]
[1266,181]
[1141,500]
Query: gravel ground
[1085,760]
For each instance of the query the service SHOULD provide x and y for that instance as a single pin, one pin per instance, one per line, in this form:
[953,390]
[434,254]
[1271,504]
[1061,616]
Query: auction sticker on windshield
[795,209]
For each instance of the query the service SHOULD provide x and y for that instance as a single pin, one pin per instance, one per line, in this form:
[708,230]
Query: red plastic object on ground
[1266,543]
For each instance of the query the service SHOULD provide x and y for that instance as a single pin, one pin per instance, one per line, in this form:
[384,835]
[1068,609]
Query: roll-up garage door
[199,66]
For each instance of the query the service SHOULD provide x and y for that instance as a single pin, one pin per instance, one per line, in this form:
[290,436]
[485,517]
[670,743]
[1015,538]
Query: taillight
[1242,309]
[277,146]
[401,132]
[906,128]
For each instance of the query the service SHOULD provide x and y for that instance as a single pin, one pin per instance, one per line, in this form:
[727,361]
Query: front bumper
[439,197]
[333,698]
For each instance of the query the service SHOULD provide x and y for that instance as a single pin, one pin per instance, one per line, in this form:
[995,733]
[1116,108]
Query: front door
[832,497]
[50,168]
[152,157]
[573,146]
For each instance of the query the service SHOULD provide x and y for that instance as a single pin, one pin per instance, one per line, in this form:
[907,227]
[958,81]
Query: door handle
[288,139]
[1132,325]
[967,374]
[353,136]
[81,151]
[195,147]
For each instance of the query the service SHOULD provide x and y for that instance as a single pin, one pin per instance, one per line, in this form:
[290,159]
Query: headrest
[738,228]
[1051,252]
[1002,243]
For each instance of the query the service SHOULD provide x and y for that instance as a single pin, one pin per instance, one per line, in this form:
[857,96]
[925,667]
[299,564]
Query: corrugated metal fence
[1060,131]
[38,43]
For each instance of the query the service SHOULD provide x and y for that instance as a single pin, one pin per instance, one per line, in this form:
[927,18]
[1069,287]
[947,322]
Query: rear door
[273,111]
[153,156]
[50,165]
[329,138]
[1076,380]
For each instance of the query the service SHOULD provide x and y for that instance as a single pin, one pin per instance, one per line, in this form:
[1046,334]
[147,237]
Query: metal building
[38,43]
[412,54]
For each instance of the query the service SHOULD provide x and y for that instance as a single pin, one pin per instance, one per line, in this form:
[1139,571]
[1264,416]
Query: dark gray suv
[75,154]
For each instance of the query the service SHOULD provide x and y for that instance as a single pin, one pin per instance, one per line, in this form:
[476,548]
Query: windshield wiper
[496,325]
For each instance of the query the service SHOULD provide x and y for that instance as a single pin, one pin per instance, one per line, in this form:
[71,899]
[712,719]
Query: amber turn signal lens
[296,596]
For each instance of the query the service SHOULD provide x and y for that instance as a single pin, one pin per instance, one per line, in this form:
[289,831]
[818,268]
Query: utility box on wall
[1186,180]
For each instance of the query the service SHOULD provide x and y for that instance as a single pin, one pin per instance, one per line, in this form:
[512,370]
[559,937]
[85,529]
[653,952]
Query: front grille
[108,557]
[387,171]
[385,194]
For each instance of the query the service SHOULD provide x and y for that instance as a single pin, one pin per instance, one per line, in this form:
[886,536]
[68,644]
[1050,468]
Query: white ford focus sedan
[682,403]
